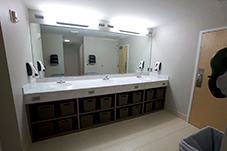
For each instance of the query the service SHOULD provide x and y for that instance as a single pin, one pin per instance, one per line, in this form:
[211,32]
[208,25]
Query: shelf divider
[130,104]
[78,112]
[99,110]
[53,119]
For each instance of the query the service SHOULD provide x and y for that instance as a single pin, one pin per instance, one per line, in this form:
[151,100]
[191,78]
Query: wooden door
[206,109]
[123,58]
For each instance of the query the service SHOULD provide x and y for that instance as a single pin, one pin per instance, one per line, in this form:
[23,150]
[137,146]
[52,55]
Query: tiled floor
[160,131]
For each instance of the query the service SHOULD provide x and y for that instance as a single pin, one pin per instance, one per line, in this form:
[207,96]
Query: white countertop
[47,87]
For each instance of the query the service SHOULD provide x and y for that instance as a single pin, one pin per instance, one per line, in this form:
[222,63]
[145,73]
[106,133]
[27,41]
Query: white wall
[7,107]
[14,130]
[106,52]
[71,59]
[139,50]
[53,44]
[175,45]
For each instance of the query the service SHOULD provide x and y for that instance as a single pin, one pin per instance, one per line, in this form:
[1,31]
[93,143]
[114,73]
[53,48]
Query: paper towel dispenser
[91,59]
[54,59]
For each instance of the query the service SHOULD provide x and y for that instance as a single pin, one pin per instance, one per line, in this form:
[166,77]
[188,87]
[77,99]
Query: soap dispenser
[141,65]
[157,66]
[40,66]
[31,70]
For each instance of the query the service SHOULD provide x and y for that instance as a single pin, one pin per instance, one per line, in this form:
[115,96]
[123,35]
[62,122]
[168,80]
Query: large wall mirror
[87,52]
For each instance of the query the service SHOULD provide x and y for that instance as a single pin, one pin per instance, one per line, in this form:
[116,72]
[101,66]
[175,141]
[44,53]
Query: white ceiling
[158,12]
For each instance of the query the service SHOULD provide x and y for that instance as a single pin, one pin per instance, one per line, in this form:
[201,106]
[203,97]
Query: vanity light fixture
[66,40]
[101,25]
[110,26]
[37,16]
[74,32]
[130,32]
[71,24]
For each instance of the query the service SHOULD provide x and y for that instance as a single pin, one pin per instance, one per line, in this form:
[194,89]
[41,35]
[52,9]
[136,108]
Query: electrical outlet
[91,92]
[36,98]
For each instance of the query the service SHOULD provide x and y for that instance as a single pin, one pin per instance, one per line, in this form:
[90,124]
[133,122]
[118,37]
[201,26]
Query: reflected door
[123,58]
[206,109]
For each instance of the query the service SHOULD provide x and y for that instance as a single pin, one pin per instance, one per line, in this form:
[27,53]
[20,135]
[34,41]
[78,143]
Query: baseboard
[28,145]
[176,113]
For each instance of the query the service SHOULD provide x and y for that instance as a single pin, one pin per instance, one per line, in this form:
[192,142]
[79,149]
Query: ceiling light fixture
[71,24]
[66,40]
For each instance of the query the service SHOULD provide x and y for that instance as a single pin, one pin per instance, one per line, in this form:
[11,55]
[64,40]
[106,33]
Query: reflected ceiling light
[66,40]
[74,32]
[130,32]
[133,25]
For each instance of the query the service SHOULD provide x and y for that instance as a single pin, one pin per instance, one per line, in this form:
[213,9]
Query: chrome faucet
[106,78]
[60,81]
[139,75]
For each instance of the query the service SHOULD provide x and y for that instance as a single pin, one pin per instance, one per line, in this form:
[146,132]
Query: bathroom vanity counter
[48,91]
[58,109]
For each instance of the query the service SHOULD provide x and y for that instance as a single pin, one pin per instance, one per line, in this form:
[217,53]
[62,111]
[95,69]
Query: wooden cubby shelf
[56,118]
[94,111]
[53,119]
[130,104]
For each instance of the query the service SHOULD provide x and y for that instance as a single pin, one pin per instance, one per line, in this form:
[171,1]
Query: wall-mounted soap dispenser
[141,64]
[157,66]
[31,70]
[40,66]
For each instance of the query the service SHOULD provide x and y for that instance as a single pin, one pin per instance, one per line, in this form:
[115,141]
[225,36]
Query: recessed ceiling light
[66,40]
[74,32]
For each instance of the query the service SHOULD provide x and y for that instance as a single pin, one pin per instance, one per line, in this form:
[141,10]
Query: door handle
[199,78]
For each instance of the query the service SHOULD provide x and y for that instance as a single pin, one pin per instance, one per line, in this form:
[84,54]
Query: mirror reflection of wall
[73,47]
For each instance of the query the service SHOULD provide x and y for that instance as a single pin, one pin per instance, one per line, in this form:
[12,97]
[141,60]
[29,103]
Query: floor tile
[160,131]
[53,144]
[70,142]
[149,147]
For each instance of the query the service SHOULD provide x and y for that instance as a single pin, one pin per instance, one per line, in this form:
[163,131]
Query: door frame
[127,55]
[197,62]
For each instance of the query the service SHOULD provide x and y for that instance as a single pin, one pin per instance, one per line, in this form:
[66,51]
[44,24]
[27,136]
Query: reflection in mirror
[87,52]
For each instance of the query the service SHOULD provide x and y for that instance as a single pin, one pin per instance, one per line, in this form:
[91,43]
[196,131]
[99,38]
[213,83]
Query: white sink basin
[58,85]
[107,81]
[145,78]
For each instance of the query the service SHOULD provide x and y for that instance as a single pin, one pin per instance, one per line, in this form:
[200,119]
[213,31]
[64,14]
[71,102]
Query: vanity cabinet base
[69,116]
